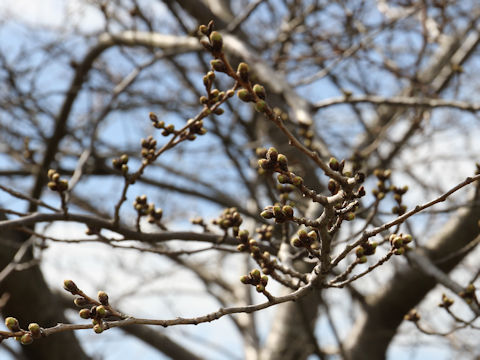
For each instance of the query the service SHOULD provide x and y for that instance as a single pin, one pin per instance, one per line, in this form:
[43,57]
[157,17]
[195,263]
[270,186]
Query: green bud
[360,252]
[334,164]
[70,286]
[12,324]
[260,288]
[242,71]
[363,259]
[267,214]
[244,95]
[297,181]
[245,279]
[34,328]
[282,162]
[26,339]
[255,274]
[218,65]
[288,211]
[216,41]
[283,179]
[259,90]
[261,106]
[350,216]
[98,329]
[84,313]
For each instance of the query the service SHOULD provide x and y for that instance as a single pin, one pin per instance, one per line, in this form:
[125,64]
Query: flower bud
[216,41]
[244,95]
[12,324]
[26,339]
[218,65]
[70,286]
[259,90]
[242,71]
[34,329]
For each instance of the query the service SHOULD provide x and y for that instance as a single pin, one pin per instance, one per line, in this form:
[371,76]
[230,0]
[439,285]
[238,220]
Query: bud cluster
[278,212]
[412,316]
[400,243]
[273,161]
[149,146]
[382,189]
[248,244]
[229,218]
[142,208]
[265,232]
[97,311]
[121,163]
[256,279]
[306,240]
[446,302]
[160,124]
[55,183]
[468,294]
[34,330]
[398,193]
[364,250]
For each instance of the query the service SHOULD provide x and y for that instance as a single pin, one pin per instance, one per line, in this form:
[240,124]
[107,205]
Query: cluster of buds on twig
[121,164]
[278,212]
[195,128]
[248,244]
[272,160]
[160,124]
[383,176]
[446,302]
[307,240]
[412,316]
[214,42]
[265,232]
[398,193]
[364,250]
[27,336]
[97,310]
[55,183]
[143,209]
[256,279]
[400,243]
[149,146]
[469,294]
[229,218]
